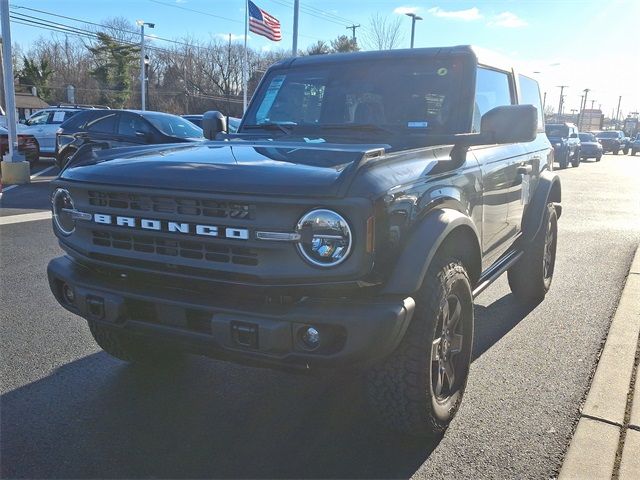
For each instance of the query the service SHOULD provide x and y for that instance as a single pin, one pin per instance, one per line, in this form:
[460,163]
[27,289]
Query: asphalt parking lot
[71,411]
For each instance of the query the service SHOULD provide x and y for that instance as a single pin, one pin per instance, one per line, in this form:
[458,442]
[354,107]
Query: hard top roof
[483,56]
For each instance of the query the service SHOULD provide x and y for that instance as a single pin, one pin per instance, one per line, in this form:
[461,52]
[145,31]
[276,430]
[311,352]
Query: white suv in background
[43,125]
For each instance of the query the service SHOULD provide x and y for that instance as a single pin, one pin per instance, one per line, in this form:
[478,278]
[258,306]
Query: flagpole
[246,57]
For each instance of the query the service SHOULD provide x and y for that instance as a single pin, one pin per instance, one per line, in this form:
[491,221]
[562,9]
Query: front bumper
[353,332]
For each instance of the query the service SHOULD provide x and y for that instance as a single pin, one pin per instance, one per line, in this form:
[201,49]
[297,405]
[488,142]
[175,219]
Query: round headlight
[325,238]
[62,206]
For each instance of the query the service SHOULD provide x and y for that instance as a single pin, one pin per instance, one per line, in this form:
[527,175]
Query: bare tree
[383,32]
[318,48]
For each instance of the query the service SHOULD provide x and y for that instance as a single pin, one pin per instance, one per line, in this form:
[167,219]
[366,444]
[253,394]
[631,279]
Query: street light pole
[414,18]
[560,103]
[14,168]
[143,101]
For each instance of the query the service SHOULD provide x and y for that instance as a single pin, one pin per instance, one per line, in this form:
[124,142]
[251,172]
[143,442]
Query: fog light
[311,338]
[68,294]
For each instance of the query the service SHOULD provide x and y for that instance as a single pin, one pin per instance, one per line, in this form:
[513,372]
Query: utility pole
[580,112]
[618,111]
[294,48]
[414,18]
[560,103]
[143,100]
[586,94]
[544,102]
[14,168]
[592,102]
[353,32]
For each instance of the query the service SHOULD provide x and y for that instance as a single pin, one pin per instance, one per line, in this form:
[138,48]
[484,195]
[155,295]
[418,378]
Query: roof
[376,55]
[26,100]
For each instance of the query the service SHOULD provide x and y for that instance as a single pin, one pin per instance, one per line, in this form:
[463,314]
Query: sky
[579,43]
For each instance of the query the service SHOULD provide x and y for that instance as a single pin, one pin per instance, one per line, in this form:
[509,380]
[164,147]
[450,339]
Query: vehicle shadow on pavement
[495,321]
[99,418]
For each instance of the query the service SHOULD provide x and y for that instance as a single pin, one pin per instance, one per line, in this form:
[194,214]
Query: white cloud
[234,37]
[507,20]
[467,15]
[404,10]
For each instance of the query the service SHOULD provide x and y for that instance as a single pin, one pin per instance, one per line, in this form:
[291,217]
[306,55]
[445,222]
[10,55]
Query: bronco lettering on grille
[172,227]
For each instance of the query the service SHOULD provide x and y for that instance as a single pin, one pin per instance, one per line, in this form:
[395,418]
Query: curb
[606,442]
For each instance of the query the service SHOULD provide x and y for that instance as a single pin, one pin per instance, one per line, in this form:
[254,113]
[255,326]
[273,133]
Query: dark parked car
[366,199]
[590,146]
[121,128]
[635,145]
[611,140]
[566,143]
[27,145]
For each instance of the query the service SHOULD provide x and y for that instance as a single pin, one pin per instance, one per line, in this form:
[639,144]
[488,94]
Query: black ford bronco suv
[364,202]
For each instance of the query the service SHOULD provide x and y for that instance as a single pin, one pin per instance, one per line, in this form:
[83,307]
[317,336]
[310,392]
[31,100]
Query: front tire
[129,348]
[417,390]
[598,158]
[530,278]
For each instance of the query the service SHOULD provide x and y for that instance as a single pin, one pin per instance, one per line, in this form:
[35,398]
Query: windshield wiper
[273,126]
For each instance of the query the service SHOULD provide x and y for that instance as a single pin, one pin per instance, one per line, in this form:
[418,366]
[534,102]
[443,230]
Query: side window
[38,119]
[104,123]
[492,90]
[530,95]
[129,124]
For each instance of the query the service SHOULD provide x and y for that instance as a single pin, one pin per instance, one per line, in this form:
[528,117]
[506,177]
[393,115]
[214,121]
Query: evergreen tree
[114,62]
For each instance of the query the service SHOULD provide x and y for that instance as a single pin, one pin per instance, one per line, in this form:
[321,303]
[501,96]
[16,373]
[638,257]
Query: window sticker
[442,71]
[58,117]
[417,124]
[269,98]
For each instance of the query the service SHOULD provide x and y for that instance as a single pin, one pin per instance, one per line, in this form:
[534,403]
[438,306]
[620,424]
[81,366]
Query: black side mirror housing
[510,124]
[213,123]
[573,135]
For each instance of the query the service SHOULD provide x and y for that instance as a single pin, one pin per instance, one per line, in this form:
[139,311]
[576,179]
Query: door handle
[525,169]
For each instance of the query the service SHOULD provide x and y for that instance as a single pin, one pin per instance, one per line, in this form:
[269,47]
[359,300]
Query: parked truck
[591,120]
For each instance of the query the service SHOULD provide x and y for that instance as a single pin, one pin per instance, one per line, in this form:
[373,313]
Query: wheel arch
[548,190]
[442,232]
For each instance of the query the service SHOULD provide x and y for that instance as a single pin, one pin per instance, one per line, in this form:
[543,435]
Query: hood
[263,167]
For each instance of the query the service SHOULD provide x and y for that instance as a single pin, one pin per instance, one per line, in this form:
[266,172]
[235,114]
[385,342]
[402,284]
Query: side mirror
[573,135]
[510,124]
[213,123]
[23,121]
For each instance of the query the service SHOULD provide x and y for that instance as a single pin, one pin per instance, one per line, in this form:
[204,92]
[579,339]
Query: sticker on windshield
[269,98]
[58,117]
[442,71]
[417,124]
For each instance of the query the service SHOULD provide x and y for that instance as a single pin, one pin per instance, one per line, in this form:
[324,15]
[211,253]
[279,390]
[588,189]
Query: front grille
[191,249]
[171,205]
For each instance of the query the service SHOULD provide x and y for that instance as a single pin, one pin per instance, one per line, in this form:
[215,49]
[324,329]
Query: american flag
[262,23]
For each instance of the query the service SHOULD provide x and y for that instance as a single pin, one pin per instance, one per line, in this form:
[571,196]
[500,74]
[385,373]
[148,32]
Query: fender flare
[421,247]
[548,190]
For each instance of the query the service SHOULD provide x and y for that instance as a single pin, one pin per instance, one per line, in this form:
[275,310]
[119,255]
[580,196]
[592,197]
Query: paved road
[69,410]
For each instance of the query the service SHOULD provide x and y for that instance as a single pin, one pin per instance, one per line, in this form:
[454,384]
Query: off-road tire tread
[397,389]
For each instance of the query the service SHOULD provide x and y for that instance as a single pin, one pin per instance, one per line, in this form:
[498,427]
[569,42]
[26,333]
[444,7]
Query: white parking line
[25,217]
[35,175]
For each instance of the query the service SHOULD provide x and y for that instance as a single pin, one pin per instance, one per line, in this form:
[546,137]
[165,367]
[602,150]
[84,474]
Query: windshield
[587,137]
[557,131]
[174,126]
[399,97]
[607,135]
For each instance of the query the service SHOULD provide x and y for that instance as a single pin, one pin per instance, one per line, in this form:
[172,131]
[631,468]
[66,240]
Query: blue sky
[583,44]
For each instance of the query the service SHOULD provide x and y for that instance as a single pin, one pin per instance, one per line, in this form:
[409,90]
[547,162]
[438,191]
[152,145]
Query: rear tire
[129,348]
[633,153]
[598,158]
[616,151]
[417,390]
[530,278]
[576,159]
